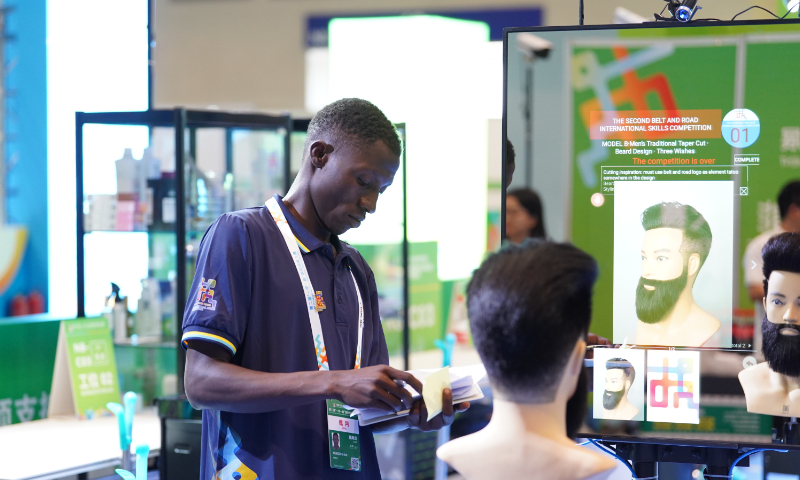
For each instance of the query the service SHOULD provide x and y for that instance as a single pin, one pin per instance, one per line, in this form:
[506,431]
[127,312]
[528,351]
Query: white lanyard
[308,289]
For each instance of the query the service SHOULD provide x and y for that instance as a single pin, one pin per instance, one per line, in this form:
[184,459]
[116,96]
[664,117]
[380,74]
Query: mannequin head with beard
[529,309]
[676,243]
[780,326]
[619,378]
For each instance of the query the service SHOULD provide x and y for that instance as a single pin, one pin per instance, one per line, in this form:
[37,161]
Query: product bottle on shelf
[148,315]
[119,312]
[149,170]
[127,168]
[128,173]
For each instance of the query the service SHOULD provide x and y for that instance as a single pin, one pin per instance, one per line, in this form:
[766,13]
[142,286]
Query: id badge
[344,442]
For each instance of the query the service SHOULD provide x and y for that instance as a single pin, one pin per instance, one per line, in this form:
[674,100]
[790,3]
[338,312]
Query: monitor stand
[645,458]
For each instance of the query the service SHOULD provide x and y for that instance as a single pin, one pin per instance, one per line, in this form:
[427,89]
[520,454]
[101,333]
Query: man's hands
[375,387]
[418,417]
[593,339]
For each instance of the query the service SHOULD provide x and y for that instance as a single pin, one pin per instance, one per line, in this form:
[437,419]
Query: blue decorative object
[446,346]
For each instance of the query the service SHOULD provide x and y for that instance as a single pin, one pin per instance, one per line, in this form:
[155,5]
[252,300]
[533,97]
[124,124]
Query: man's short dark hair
[790,194]
[511,155]
[782,252]
[696,231]
[624,365]
[528,305]
[358,120]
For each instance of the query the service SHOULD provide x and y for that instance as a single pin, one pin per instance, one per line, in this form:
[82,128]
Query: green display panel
[652,84]
[27,354]
[425,293]
[779,142]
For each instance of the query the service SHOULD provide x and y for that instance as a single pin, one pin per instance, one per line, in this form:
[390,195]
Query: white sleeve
[753,275]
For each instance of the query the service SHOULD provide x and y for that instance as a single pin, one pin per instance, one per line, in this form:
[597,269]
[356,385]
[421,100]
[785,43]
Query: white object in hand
[432,389]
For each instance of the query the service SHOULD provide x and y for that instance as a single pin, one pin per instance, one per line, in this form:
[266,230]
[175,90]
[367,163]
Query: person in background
[789,207]
[524,216]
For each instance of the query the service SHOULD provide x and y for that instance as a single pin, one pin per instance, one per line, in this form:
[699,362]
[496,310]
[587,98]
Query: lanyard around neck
[308,289]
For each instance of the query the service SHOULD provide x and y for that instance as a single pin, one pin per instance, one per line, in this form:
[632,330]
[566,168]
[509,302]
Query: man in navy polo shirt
[282,316]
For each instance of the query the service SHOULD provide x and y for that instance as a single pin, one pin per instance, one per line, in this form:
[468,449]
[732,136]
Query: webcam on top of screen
[681,10]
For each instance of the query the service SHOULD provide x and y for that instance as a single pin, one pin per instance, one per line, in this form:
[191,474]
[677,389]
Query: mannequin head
[619,378]
[676,243]
[781,323]
[529,309]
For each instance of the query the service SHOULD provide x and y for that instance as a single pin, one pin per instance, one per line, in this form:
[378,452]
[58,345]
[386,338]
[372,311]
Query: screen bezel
[670,441]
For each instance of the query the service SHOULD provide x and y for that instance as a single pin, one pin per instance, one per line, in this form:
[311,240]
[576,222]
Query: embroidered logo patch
[205,295]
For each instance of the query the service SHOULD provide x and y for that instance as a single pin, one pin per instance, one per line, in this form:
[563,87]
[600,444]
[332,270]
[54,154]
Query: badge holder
[344,441]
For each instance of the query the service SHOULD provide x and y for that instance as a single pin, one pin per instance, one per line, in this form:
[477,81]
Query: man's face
[616,386]
[781,335]
[661,256]
[782,303]
[664,274]
[348,186]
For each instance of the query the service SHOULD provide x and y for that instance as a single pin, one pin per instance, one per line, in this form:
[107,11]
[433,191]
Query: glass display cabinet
[149,184]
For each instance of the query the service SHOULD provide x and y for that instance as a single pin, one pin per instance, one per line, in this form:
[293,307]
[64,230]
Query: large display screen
[661,151]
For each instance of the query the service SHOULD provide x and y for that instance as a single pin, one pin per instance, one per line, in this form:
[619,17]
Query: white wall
[249,54]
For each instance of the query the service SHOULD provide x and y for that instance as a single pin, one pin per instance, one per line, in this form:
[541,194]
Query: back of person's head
[531,202]
[696,231]
[782,253]
[790,195]
[528,306]
[355,121]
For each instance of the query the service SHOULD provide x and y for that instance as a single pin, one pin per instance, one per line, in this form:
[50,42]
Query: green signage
[425,293]
[27,351]
[85,366]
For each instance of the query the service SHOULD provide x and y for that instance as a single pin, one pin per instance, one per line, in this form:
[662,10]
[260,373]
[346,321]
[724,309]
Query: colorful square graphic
[673,386]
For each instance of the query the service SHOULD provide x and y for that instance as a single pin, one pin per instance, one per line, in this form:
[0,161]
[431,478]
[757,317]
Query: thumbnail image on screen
[619,377]
[673,282]
[673,386]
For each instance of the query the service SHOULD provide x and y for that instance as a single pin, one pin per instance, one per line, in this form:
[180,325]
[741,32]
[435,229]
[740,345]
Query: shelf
[169,248]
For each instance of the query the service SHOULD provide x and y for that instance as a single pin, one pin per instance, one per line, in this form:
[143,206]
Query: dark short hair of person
[624,365]
[532,204]
[696,231]
[528,305]
[790,194]
[359,121]
[781,252]
[511,155]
